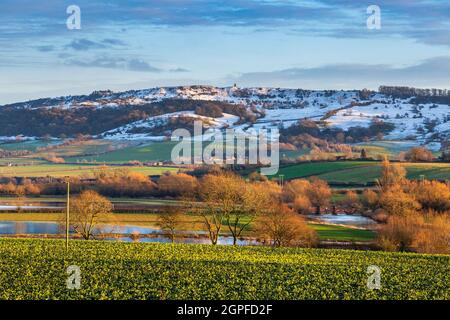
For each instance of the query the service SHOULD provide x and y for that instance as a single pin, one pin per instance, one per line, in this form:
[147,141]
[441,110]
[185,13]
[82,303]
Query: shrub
[281,227]
[178,184]
[433,195]
[398,233]
[369,199]
[302,205]
[434,236]
[395,201]
[418,154]
[420,233]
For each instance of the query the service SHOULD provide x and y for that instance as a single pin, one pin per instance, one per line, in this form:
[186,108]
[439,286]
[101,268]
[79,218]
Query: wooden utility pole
[67,214]
[281,176]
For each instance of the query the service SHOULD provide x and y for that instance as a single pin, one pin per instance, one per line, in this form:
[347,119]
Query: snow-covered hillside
[427,123]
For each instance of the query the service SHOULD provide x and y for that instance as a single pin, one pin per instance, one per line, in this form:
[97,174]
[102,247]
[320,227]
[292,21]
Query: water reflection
[26,227]
[344,219]
[27,207]
[53,228]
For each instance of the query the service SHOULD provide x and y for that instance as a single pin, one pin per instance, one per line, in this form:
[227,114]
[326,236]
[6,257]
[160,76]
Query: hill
[152,114]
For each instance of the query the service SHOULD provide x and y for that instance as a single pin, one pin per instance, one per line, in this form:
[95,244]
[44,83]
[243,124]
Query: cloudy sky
[312,44]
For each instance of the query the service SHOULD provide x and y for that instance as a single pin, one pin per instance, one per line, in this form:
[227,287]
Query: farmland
[157,151]
[361,171]
[31,145]
[340,233]
[109,152]
[391,149]
[62,170]
[81,157]
[36,269]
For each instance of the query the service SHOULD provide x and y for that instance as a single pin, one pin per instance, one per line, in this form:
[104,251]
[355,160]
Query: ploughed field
[36,269]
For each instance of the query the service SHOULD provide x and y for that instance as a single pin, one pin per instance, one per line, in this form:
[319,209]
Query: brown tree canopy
[391,175]
[178,184]
[419,154]
[170,220]
[433,195]
[91,214]
[123,182]
[427,233]
[280,226]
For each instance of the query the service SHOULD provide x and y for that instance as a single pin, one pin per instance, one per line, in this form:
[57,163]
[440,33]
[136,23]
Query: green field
[340,233]
[46,199]
[37,269]
[157,151]
[30,145]
[386,148]
[154,151]
[21,161]
[62,170]
[90,147]
[361,171]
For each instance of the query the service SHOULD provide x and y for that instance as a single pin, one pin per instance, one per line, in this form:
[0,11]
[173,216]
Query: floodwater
[344,219]
[27,207]
[53,228]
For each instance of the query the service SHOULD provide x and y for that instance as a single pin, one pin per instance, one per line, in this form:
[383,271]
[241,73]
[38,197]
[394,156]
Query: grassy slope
[31,145]
[386,148]
[157,151]
[80,148]
[360,171]
[36,269]
[21,161]
[317,168]
[61,170]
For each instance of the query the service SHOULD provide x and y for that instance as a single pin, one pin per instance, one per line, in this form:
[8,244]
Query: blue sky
[312,44]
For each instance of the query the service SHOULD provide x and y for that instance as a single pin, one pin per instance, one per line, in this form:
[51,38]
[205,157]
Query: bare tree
[304,193]
[220,195]
[170,220]
[319,194]
[351,203]
[90,213]
[391,175]
[254,200]
[282,227]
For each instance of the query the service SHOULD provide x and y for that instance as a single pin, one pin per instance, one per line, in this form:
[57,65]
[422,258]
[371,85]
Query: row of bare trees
[415,213]
[226,203]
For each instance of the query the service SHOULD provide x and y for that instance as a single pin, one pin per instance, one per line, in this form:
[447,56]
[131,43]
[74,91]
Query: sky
[312,44]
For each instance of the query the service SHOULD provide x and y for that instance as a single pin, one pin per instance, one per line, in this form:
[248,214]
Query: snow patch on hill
[426,123]
[127,132]
[411,121]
